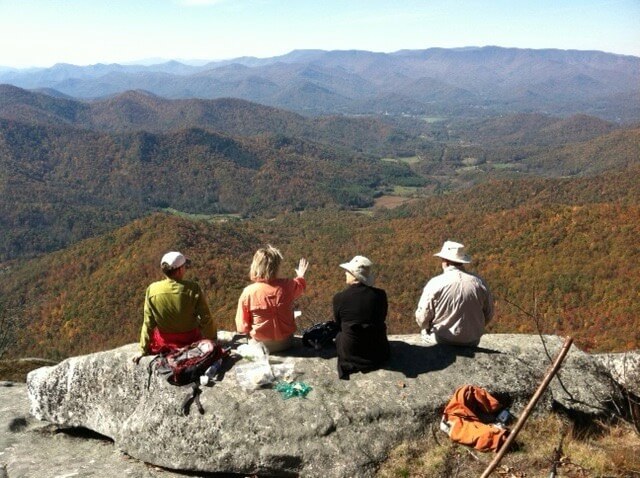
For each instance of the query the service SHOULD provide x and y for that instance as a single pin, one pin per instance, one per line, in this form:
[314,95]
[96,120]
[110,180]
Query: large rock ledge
[342,428]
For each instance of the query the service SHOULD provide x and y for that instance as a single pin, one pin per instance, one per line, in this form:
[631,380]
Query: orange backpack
[470,415]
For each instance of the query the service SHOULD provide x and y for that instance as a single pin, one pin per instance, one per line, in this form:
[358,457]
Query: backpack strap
[150,369]
[197,399]
[194,397]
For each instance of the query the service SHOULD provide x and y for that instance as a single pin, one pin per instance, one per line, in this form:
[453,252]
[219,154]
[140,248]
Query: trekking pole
[530,406]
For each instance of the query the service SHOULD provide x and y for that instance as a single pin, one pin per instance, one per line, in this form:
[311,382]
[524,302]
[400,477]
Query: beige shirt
[456,305]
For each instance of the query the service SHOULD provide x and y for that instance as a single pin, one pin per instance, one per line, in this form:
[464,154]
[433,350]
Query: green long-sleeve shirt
[175,307]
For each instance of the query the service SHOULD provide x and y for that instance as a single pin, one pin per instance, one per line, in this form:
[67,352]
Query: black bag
[320,335]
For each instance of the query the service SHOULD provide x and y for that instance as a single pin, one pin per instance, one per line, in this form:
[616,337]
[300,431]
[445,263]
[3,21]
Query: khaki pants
[274,346]
[436,339]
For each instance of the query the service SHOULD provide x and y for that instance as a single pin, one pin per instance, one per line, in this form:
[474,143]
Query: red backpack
[185,365]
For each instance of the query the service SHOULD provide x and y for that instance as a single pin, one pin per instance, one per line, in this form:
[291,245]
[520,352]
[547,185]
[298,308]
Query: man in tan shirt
[456,305]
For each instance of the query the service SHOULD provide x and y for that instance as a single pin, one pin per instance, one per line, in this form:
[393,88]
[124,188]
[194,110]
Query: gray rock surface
[34,449]
[342,428]
[624,369]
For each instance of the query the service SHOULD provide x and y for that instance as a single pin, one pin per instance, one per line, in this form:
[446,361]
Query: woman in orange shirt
[265,308]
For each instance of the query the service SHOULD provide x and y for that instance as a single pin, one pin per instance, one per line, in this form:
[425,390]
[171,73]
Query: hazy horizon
[41,33]
[201,61]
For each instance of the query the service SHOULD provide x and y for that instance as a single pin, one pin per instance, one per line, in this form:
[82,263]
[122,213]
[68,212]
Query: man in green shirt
[176,313]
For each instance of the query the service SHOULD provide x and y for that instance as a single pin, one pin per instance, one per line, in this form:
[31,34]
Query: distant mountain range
[433,82]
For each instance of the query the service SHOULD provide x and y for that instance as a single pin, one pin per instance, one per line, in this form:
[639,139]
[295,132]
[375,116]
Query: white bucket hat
[173,260]
[454,252]
[360,268]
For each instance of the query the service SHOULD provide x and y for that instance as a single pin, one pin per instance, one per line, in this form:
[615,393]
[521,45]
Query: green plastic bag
[293,389]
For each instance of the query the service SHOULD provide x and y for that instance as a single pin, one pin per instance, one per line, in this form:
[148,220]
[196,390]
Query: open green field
[407,191]
[502,166]
[432,119]
[468,169]
[203,217]
[408,160]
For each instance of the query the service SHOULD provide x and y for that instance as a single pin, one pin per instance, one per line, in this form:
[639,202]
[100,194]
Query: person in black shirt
[360,312]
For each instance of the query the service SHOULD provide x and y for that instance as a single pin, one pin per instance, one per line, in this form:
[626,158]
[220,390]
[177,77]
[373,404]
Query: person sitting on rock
[360,311]
[265,308]
[456,305]
[176,313]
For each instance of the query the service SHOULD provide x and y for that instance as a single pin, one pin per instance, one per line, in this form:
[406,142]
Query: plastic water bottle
[210,373]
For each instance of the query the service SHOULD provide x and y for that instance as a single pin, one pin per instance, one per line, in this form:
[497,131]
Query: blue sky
[82,32]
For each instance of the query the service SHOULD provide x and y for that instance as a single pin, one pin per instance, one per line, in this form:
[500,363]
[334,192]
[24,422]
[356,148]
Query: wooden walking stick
[530,406]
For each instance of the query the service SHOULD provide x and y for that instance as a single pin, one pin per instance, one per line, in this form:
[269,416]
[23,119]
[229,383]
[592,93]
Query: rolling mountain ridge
[139,110]
[71,170]
[473,81]
[59,184]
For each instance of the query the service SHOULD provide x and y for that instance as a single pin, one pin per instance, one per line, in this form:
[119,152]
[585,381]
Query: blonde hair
[266,262]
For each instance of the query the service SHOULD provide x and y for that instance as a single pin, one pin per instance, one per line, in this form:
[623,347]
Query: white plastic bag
[253,375]
[284,371]
[254,351]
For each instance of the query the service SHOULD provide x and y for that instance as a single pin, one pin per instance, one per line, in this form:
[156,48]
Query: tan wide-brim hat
[454,252]
[360,268]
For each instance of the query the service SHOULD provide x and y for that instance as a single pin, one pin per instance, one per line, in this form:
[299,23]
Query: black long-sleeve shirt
[362,343]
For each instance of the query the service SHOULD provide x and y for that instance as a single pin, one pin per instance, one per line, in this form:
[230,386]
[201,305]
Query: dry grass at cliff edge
[603,450]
